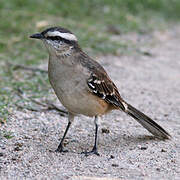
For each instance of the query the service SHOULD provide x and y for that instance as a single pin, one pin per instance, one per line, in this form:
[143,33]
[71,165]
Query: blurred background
[94,22]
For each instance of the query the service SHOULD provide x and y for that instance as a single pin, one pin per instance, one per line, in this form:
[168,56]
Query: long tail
[146,122]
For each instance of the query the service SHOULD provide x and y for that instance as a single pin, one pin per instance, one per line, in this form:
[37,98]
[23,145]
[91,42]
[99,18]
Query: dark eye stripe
[54,37]
[58,38]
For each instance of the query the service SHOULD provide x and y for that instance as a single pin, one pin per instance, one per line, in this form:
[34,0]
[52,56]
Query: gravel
[127,151]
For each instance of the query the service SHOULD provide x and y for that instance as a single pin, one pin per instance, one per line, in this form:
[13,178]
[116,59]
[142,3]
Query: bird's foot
[60,149]
[94,151]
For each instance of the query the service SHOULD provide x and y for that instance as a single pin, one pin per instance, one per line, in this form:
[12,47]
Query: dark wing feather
[101,86]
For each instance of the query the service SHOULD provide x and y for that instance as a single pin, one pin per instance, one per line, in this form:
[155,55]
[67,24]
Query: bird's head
[57,39]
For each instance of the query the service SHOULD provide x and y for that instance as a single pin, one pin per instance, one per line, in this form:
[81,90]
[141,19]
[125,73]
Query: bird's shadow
[132,140]
[120,141]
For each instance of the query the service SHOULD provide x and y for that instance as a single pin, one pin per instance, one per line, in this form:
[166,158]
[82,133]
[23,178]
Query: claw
[61,150]
[94,151]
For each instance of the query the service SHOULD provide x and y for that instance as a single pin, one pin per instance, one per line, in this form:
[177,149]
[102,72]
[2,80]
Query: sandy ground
[150,82]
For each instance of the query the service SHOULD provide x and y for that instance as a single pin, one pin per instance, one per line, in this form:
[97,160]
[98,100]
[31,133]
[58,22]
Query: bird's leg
[70,120]
[94,149]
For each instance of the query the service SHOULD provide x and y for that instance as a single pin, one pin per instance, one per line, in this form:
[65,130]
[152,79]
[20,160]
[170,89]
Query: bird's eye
[54,38]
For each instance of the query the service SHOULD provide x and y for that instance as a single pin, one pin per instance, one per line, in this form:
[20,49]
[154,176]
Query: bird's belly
[82,103]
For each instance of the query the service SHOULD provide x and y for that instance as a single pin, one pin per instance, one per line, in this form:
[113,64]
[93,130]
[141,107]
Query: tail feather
[147,122]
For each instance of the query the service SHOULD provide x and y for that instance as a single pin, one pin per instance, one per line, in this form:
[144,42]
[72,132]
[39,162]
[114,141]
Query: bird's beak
[37,36]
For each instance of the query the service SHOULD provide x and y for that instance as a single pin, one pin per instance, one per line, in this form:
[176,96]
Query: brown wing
[99,82]
[101,85]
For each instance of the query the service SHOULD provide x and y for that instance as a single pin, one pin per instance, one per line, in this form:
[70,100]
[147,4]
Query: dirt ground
[150,81]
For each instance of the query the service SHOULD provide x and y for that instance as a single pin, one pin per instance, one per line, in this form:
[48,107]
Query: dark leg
[94,149]
[60,147]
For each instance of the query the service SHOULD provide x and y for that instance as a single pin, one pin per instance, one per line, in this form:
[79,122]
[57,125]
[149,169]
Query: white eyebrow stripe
[68,36]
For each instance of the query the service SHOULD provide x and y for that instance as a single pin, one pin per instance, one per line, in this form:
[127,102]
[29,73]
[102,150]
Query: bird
[83,86]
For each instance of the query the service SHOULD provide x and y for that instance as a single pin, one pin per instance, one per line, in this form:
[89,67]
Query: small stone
[115,165]
[104,130]
[142,147]
[163,150]
[112,157]
[27,137]
[1,154]
[18,144]
[158,169]
[14,159]
[17,149]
